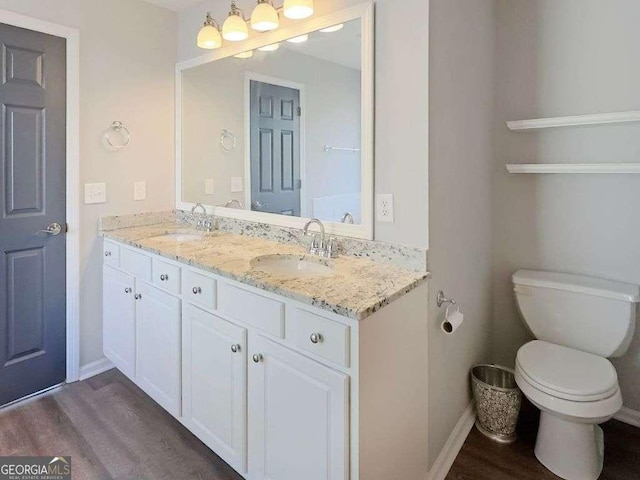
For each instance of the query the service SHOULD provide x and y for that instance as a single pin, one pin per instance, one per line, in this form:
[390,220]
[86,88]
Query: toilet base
[573,451]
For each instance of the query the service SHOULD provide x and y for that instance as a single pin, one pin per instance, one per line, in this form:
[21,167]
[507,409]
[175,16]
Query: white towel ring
[228,141]
[117,129]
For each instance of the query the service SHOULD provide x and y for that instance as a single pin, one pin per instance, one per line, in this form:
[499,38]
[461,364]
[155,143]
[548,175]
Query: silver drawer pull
[257,358]
[197,290]
[164,278]
[138,296]
[107,253]
[235,348]
[316,338]
[128,290]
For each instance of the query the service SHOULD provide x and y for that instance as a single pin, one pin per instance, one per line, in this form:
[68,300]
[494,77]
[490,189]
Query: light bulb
[264,17]
[247,54]
[300,39]
[298,9]
[270,48]
[235,28]
[209,36]
[332,29]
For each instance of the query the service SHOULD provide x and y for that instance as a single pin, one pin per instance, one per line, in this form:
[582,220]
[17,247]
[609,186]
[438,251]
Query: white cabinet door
[298,416]
[158,346]
[119,323]
[214,384]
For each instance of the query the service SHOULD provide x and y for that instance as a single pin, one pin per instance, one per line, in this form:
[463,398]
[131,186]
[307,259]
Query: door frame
[72,36]
[258,77]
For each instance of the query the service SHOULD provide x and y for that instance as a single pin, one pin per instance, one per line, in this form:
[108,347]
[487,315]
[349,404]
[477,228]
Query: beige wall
[460,173]
[128,52]
[555,59]
[402,66]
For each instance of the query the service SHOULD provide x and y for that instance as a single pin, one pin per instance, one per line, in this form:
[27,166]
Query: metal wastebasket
[498,401]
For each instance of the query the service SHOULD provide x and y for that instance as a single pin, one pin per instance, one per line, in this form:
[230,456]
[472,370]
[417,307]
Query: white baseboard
[453,446]
[626,415]
[95,368]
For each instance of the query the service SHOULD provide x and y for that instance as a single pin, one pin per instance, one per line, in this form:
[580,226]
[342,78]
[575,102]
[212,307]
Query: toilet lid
[566,372]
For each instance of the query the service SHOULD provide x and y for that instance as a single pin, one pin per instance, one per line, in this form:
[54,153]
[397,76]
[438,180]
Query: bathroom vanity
[284,374]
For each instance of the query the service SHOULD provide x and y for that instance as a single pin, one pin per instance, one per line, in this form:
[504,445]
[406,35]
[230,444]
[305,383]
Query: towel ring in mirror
[228,141]
[117,136]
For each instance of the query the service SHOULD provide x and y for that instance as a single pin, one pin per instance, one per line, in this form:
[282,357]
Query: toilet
[579,322]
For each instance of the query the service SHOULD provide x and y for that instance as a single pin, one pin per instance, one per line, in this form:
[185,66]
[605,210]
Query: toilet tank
[585,313]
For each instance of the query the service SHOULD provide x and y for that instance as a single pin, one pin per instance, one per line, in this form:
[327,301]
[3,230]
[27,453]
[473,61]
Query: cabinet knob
[128,290]
[257,358]
[107,253]
[316,338]
[196,290]
[138,296]
[235,348]
[164,278]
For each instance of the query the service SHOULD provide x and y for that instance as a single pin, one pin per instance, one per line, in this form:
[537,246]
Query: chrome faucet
[348,218]
[319,245]
[203,223]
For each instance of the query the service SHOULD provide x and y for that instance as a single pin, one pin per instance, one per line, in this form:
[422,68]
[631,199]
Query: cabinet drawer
[324,337]
[253,309]
[136,263]
[111,254]
[199,289]
[166,276]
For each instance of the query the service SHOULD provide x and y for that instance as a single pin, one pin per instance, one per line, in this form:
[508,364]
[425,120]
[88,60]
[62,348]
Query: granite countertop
[356,289]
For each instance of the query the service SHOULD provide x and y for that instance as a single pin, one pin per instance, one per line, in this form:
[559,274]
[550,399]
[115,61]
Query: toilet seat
[566,373]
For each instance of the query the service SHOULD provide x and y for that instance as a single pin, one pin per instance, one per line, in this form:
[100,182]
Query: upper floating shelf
[574,168]
[576,120]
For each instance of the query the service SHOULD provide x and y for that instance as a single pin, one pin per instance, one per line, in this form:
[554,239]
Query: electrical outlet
[209,186]
[384,208]
[237,184]
[95,193]
[140,191]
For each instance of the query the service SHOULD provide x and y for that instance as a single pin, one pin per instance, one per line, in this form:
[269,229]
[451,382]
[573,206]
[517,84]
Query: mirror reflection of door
[275,149]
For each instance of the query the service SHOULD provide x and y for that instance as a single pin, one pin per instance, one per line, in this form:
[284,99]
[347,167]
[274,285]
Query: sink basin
[178,237]
[292,266]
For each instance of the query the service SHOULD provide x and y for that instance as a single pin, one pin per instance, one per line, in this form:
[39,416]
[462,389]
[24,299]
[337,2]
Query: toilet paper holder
[442,300]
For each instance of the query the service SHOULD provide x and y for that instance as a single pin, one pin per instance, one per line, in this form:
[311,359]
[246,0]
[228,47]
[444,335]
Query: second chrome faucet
[320,245]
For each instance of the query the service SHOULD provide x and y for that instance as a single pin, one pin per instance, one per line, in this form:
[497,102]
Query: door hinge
[299,111]
[299,184]
[66,228]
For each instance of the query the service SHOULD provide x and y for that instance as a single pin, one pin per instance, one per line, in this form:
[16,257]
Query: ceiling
[175,5]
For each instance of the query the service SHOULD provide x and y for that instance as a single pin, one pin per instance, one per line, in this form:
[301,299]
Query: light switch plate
[139,191]
[384,208]
[209,186]
[95,193]
[237,184]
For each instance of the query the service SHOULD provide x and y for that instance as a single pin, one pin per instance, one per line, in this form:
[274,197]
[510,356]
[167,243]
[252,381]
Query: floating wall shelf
[577,120]
[574,168]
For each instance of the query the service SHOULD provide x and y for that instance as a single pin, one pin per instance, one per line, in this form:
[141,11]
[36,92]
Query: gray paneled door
[33,180]
[275,149]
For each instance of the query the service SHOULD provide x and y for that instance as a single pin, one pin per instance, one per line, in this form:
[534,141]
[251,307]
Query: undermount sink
[178,237]
[292,266]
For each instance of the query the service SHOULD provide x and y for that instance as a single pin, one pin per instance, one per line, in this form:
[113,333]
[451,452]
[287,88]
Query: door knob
[316,338]
[128,290]
[257,206]
[257,358]
[53,230]
[235,348]
[197,290]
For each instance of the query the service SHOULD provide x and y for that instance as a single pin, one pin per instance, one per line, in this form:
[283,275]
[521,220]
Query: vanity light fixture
[264,17]
[332,29]
[247,54]
[298,9]
[209,36]
[235,28]
[270,48]
[300,39]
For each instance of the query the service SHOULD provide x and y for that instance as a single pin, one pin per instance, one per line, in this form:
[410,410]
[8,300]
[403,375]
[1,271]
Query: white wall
[565,58]
[128,52]
[460,172]
[402,66]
